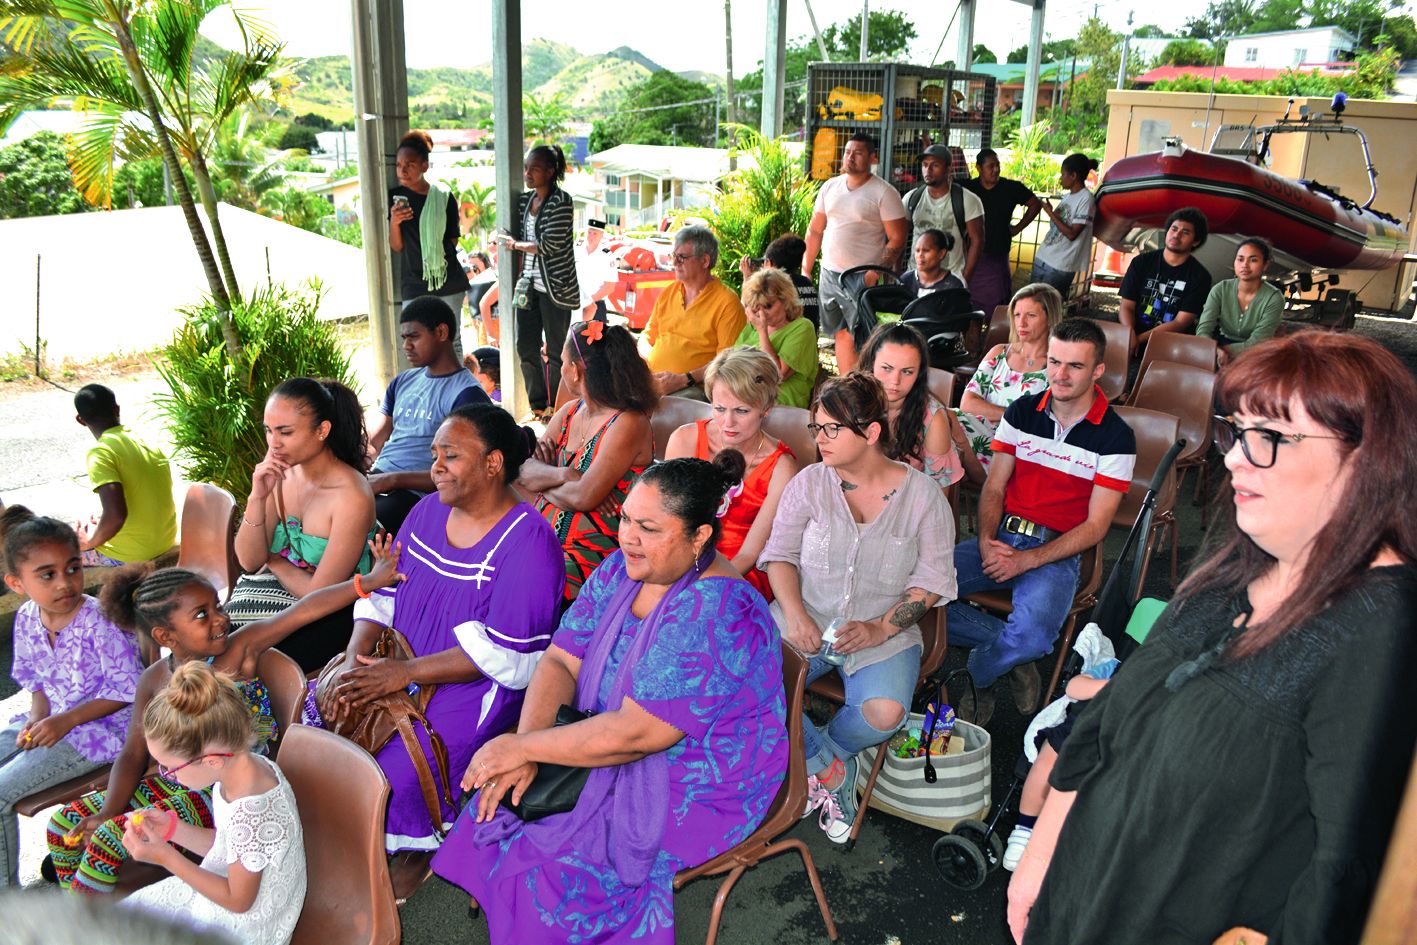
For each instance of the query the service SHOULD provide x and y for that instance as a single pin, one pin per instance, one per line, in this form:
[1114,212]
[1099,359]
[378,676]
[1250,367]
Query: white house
[1287,49]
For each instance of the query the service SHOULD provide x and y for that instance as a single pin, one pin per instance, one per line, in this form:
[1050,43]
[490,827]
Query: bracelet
[359,589]
[247,521]
[171,827]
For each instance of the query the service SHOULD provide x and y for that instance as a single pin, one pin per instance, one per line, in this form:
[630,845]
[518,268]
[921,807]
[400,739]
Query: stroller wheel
[988,842]
[960,862]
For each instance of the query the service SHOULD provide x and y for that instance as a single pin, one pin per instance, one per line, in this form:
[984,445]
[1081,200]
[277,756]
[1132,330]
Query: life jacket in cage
[824,154]
[844,102]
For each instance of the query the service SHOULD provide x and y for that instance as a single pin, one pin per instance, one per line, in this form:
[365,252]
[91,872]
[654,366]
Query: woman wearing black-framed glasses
[1260,740]
[861,549]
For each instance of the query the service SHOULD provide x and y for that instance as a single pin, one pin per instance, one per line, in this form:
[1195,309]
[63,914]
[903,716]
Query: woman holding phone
[423,232]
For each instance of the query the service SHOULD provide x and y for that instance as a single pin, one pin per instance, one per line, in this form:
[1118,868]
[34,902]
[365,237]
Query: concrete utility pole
[774,69]
[381,107]
[1126,47]
[507,117]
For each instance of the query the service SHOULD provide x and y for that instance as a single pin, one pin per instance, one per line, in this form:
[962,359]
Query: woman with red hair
[1238,779]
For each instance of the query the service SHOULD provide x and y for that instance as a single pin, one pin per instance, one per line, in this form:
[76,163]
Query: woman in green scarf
[423,232]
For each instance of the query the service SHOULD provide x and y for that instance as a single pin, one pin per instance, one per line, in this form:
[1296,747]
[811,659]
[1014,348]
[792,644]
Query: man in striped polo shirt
[1062,461]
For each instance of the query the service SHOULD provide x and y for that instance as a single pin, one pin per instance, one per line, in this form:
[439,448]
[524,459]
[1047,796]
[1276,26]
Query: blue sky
[691,37]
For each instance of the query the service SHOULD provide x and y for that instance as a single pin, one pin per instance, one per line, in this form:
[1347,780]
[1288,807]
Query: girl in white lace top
[251,881]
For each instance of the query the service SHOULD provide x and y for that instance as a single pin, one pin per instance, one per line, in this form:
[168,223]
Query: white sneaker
[1018,842]
[839,808]
[815,795]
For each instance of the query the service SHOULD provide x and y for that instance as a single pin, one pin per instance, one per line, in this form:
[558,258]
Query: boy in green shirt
[134,483]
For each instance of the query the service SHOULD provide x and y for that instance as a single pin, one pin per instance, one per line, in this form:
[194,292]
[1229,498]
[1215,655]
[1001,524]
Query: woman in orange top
[594,446]
[742,387]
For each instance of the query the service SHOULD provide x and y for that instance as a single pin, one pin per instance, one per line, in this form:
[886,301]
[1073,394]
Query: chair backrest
[1178,348]
[935,638]
[671,414]
[1155,432]
[1119,342]
[789,424]
[209,535]
[942,385]
[786,808]
[343,797]
[998,332]
[1188,393]
[286,682]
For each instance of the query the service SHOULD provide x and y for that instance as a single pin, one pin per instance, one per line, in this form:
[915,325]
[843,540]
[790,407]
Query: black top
[1261,793]
[1162,291]
[807,295]
[999,206]
[411,284]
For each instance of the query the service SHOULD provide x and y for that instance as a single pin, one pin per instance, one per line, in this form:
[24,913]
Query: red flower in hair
[593,332]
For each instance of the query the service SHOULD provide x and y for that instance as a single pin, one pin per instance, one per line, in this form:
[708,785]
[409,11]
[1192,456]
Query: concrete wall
[1138,120]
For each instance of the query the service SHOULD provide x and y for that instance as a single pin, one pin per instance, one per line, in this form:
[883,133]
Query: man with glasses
[858,220]
[693,320]
[1063,459]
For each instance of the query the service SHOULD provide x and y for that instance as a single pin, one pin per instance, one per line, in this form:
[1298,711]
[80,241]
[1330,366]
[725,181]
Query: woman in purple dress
[679,660]
[485,577]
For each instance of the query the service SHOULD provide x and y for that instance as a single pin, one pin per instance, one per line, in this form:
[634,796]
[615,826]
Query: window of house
[1252,53]
[612,180]
[1300,56]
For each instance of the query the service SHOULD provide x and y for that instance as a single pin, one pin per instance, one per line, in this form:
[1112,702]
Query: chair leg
[724,888]
[866,795]
[1067,637]
[811,867]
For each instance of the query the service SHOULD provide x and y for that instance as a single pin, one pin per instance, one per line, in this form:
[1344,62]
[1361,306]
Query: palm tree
[478,203]
[129,65]
[546,120]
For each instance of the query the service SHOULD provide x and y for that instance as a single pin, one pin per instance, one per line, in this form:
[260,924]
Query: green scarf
[432,223]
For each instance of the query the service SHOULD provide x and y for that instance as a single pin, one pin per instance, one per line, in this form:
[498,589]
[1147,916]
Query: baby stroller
[943,317]
[968,854]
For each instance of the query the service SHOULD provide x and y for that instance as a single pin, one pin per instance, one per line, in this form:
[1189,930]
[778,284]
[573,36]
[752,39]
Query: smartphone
[400,201]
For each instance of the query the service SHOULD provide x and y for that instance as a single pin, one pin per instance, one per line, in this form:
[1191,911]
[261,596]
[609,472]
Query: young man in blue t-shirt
[415,404]
[1063,460]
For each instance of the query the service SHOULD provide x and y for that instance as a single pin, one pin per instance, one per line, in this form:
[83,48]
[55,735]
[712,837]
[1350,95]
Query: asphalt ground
[885,890]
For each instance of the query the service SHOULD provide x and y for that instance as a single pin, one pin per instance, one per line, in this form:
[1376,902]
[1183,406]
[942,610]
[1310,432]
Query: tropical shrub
[214,406]
[767,196]
[1029,162]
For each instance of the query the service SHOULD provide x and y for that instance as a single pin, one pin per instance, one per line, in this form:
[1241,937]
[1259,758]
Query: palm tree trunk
[184,193]
[209,204]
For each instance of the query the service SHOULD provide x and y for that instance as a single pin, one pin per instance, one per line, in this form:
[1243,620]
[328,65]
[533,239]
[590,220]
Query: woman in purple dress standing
[485,577]
[679,660]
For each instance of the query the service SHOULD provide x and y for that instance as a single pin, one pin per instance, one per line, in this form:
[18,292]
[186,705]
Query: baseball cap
[941,151]
[595,224]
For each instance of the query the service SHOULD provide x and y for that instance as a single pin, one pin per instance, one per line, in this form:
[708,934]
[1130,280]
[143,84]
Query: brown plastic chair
[997,334]
[671,414]
[64,792]
[209,536]
[1119,341]
[1188,393]
[786,810]
[1089,581]
[287,685]
[343,796]
[1177,348]
[934,638]
[1155,432]
[789,424]
[942,385]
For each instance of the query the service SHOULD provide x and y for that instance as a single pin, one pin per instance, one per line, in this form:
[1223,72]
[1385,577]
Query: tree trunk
[209,204]
[184,193]
[728,43]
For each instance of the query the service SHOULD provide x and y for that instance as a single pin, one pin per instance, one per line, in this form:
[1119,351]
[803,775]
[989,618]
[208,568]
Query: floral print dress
[999,384]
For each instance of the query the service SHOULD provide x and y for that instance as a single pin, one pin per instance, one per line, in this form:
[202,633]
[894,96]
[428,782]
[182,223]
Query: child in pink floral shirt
[80,669]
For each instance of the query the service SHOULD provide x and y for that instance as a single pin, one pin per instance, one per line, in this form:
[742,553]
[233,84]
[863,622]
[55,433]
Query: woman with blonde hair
[776,328]
[251,881]
[1010,371]
[742,387]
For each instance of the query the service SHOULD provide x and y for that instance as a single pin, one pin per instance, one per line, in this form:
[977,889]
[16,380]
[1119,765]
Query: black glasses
[830,429]
[169,773]
[682,258]
[1260,445]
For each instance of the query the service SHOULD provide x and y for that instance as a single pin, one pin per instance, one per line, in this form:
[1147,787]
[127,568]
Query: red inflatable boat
[1309,225]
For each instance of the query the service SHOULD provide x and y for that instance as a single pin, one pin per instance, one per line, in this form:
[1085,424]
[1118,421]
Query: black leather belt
[1019,525]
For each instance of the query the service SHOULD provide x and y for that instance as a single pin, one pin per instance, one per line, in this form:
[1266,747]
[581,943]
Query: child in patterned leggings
[181,611]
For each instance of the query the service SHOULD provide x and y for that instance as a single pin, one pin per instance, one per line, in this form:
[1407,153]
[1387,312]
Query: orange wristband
[359,588]
[171,827]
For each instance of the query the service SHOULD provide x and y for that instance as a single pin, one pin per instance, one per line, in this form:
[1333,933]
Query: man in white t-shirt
[932,205]
[858,220]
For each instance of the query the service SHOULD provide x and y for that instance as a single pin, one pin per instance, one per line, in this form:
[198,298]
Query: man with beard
[1165,289]
[945,205]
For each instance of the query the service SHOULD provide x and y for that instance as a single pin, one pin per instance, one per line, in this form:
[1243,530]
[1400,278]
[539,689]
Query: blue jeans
[848,732]
[1057,278]
[1042,598]
[22,773]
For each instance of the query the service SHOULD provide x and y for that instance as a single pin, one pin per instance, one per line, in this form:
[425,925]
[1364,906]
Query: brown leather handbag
[374,724]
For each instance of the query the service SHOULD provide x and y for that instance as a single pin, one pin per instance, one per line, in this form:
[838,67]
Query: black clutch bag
[556,788]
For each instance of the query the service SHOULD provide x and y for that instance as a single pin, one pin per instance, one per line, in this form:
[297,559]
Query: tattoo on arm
[908,613]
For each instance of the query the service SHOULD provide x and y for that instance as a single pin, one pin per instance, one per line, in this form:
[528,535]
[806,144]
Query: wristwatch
[689,377]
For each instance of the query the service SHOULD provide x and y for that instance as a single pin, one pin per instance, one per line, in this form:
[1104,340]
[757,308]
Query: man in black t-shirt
[1165,289]
[992,283]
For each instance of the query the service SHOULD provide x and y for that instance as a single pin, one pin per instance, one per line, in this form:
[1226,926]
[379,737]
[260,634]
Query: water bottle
[829,652]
